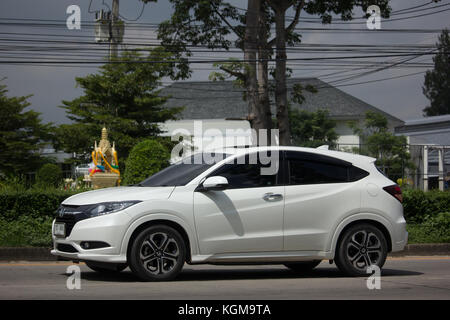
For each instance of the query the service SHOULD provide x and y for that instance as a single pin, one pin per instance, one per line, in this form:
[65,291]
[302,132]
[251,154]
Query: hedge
[26,231]
[433,230]
[32,203]
[419,205]
[26,215]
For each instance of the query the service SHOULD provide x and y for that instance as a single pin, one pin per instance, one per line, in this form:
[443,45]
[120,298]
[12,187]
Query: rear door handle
[271,197]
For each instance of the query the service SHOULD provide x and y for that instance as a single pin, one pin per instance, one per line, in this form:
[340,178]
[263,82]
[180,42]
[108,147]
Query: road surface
[402,278]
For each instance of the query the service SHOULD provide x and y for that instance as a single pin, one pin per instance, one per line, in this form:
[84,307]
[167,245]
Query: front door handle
[271,197]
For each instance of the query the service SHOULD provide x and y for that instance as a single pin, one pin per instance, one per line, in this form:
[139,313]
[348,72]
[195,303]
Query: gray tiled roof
[221,100]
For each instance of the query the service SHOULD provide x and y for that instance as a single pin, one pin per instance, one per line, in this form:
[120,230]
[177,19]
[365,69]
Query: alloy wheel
[159,253]
[364,249]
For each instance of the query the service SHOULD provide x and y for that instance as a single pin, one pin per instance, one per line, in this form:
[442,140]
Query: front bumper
[109,228]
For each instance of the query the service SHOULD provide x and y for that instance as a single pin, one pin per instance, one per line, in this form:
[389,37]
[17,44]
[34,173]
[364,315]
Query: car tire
[359,247]
[303,266]
[102,267]
[158,253]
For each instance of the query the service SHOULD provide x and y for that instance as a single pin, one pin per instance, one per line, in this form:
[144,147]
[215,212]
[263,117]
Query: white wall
[346,136]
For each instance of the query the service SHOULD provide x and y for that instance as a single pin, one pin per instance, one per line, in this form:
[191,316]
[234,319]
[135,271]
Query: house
[429,143]
[223,101]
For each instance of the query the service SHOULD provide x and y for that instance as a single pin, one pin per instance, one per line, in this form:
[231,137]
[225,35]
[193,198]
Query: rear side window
[307,168]
[355,173]
[309,172]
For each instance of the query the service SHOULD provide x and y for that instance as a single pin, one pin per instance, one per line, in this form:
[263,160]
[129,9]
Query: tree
[312,129]
[437,81]
[124,97]
[22,135]
[212,23]
[391,151]
[146,158]
[49,175]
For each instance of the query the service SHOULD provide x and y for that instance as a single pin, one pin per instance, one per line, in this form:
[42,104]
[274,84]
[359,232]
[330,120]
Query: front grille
[70,215]
[63,247]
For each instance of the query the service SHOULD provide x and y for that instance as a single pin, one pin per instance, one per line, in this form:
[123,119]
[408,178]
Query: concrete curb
[26,254]
[43,254]
[424,249]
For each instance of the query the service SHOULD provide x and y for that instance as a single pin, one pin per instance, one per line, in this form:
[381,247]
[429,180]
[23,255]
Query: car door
[318,195]
[245,217]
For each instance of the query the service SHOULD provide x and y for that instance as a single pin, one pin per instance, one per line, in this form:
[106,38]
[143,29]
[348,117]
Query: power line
[395,13]
[89,8]
[234,96]
[222,61]
[138,17]
[377,80]
[88,36]
[388,20]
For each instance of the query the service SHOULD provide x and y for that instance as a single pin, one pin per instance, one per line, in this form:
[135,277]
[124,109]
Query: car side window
[309,172]
[311,169]
[243,173]
[356,173]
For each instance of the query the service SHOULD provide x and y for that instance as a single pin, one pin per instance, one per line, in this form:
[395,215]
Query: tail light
[394,191]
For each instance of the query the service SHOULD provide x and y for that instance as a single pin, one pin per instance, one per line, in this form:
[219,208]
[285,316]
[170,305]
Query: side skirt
[261,257]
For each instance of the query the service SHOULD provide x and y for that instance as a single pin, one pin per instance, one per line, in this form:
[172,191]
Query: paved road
[403,278]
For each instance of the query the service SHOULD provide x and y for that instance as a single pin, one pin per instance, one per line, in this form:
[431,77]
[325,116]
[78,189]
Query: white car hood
[119,194]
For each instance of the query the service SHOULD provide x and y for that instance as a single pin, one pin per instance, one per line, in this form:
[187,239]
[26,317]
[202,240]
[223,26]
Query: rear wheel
[157,254]
[303,266]
[102,267]
[361,246]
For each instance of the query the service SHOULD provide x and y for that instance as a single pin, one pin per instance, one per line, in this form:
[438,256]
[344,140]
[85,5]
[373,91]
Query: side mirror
[214,183]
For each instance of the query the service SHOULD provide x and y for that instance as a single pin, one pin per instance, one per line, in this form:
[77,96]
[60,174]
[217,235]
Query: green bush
[419,205]
[432,230]
[49,175]
[33,203]
[12,183]
[145,159]
[26,231]
[26,215]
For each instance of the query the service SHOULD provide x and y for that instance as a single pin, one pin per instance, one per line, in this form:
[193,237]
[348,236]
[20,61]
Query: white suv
[316,205]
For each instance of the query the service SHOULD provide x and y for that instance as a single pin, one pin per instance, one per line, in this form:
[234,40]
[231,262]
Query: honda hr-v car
[267,205]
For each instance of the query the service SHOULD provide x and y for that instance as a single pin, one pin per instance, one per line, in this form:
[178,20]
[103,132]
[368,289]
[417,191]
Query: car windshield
[182,172]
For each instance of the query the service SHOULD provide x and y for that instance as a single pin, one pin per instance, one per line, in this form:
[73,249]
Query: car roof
[350,157]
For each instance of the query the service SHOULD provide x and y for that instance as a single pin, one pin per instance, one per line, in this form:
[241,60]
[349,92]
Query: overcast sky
[400,97]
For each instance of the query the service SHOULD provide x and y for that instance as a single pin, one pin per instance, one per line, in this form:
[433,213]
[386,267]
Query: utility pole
[113,42]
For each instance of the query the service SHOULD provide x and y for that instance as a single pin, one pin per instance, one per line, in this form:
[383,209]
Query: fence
[430,165]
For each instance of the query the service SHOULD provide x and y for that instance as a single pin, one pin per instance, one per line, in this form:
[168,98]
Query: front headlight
[110,207]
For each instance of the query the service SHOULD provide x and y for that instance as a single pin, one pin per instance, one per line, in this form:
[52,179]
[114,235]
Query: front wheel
[157,254]
[303,266]
[361,246]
